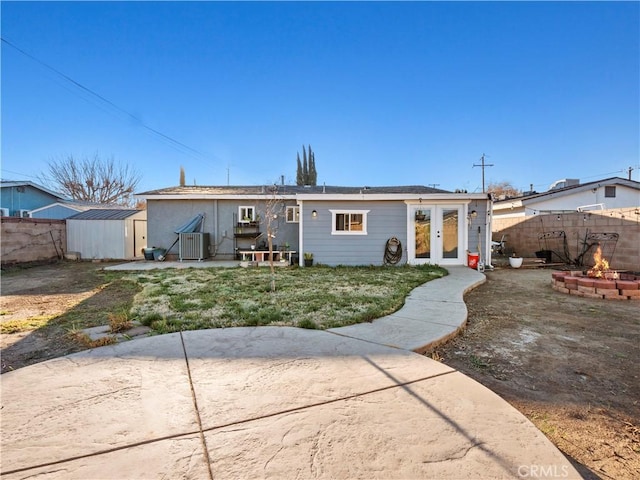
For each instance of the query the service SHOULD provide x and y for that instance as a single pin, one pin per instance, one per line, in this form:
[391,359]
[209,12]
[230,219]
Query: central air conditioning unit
[5,212]
[194,246]
[25,213]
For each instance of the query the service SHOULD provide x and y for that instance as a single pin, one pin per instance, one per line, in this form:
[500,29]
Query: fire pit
[598,282]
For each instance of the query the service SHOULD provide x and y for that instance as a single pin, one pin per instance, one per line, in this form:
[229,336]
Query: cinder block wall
[523,235]
[30,239]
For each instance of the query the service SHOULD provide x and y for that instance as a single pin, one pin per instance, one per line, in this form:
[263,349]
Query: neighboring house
[19,199]
[57,211]
[30,200]
[570,195]
[115,234]
[339,225]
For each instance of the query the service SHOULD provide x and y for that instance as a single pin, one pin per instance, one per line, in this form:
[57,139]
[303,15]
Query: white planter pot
[515,262]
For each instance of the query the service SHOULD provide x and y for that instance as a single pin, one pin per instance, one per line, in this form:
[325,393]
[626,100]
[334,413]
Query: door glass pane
[450,219]
[423,233]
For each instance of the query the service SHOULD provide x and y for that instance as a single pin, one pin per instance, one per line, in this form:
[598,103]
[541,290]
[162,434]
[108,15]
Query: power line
[18,173]
[168,139]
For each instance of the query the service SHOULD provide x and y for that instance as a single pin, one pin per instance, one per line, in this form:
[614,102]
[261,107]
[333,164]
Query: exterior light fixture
[314,213]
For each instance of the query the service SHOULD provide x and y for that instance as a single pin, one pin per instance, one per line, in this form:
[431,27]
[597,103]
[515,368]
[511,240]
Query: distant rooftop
[291,190]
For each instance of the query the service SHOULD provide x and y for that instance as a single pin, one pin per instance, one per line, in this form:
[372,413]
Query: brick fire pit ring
[626,287]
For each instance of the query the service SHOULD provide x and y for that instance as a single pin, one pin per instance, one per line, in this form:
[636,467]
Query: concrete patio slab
[96,400]
[415,431]
[181,457]
[241,373]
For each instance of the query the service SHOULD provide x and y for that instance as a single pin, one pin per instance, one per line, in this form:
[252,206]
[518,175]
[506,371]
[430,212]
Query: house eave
[213,196]
[391,197]
[322,197]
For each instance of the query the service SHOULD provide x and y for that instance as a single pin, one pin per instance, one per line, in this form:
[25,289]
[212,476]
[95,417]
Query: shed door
[139,237]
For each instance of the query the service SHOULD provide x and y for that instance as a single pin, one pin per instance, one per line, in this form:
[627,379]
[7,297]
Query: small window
[349,222]
[246,214]
[293,214]
[610,191]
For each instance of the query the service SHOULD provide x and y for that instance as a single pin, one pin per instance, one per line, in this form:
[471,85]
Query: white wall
[102,239]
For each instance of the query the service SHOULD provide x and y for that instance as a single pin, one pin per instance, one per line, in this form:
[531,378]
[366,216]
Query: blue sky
[385,93]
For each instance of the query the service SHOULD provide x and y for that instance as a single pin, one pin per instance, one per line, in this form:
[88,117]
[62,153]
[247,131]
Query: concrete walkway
[273,402]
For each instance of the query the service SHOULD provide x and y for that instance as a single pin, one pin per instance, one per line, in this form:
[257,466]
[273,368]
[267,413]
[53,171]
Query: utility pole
[433,185]
[483,165]
[630,170]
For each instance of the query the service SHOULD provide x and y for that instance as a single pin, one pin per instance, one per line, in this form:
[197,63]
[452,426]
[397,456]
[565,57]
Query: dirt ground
[59,297]
[569,364]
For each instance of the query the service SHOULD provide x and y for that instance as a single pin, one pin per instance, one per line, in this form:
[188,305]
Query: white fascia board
[57,204]
[409,198]
[204,196]
[506,205]
[325,197]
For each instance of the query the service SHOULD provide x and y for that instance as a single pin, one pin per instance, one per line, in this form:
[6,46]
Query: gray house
[339,225]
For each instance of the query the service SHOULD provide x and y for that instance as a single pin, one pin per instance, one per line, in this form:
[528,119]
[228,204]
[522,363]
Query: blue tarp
[193,225]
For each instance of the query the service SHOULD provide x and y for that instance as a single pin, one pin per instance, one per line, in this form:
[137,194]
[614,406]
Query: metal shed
[100,234]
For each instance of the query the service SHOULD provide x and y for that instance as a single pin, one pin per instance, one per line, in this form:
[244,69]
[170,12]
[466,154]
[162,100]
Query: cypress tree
[306,174]
[313,174]
[305,167]
[299,176]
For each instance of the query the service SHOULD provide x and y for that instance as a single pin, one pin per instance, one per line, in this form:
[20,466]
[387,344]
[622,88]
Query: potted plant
[308,259]
[515,261]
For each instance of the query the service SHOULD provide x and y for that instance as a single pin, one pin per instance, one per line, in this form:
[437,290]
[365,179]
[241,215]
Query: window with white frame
[246,214]
[349,222]
[293,214]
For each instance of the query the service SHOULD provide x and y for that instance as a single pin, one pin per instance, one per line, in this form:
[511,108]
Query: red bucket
[473,259]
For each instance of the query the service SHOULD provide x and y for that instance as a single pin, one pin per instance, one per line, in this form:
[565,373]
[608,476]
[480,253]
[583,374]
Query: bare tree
[503,189]
[93,179]
[273,211]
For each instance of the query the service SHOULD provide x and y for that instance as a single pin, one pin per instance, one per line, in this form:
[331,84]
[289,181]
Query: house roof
[289,190]
[104,214]
[12,183]
[558,192]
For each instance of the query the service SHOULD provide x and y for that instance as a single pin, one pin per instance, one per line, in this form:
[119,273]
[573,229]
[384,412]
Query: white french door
[436,234]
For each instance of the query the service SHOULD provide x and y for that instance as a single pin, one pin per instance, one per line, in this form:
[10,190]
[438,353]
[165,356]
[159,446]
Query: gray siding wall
[164,216]
[478,229]
[386,219]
